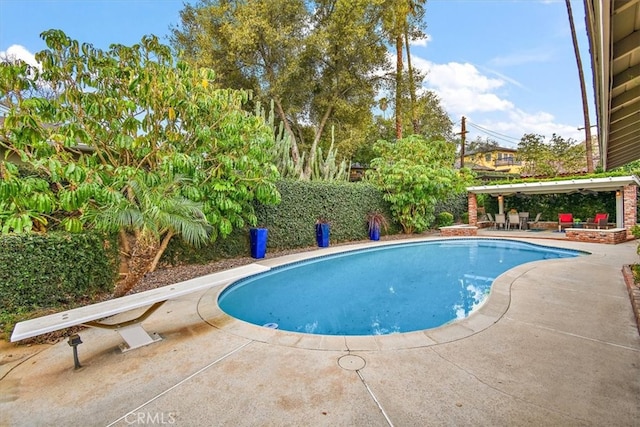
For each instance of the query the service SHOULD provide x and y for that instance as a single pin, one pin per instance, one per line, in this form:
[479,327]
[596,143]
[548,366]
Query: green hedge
[582,206]
[52,271]
[345,205]
[291,224]
[47,270]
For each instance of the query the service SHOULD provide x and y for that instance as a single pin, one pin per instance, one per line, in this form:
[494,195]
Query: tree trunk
[295,153]
[140,261]
[583,90]
[399,49]
[412,88]
[163,246]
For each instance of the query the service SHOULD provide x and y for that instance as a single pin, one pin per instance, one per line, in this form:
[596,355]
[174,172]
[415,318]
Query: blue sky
[507,65]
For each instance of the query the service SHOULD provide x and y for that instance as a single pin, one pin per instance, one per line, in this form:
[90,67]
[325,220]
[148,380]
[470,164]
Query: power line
[494,134]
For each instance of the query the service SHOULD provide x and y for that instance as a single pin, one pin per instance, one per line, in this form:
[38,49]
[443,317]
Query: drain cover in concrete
[351,362]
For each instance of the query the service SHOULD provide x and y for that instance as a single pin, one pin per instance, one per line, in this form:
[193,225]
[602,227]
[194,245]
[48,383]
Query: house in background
[493,163]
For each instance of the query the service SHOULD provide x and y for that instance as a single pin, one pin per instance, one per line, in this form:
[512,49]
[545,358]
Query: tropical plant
[414,174]
[377,221]
[133,143]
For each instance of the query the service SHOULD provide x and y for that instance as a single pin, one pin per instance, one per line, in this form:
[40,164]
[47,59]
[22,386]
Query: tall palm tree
[583,90]
[403,19]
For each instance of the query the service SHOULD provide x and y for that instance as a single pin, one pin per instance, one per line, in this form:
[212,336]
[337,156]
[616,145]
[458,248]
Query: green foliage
[344,204]
[291,224]
[444,219]
[132,141]
[414,175]
[550,205]
[456,204]
[43,272]
[234,245]
[555,157]
[635,230]
[318,61]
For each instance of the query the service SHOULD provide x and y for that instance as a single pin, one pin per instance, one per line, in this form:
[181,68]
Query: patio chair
[501,221]
[534,223]
[492,222]
[600,221]
[565,220]
[524,219]
[514,221]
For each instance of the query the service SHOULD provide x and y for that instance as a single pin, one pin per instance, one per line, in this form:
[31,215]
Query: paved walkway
[556,344]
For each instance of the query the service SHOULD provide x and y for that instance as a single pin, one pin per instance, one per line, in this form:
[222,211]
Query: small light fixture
[617,193]
[75,341]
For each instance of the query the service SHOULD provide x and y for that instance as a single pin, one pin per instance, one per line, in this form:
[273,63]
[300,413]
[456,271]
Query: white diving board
[131,331]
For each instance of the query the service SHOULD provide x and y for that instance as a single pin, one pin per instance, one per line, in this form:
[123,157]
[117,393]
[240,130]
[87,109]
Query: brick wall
[630,207]
[611,237]
[459,230]
[472,202]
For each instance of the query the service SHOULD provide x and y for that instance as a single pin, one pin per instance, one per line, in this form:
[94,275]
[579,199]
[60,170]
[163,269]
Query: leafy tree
[132,143]
[550,159]
[431,118]
[416,173]
[481,145]
[316,60]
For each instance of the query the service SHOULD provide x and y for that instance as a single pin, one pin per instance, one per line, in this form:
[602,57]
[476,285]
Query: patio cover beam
[612,183]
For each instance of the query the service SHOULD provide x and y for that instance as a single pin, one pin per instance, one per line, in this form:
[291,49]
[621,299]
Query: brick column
[473,209]
[630,204]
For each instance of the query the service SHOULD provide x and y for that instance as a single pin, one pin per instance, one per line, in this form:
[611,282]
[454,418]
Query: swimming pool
[381,290]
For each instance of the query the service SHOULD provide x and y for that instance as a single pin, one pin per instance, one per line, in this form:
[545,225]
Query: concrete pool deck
[556,344]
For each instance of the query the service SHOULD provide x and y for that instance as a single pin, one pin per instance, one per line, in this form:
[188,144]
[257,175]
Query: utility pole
[463,133]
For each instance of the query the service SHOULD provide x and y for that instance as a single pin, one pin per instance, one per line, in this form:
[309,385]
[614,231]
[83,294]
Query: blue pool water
[387,289]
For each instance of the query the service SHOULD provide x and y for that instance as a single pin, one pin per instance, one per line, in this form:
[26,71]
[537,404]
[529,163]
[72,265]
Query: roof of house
[614,38]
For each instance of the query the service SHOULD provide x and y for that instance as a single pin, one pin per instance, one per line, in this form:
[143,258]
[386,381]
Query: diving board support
[131,331]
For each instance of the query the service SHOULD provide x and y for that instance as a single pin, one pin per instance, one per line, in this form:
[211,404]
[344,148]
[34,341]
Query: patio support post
[630,207]
[501,204]
[472,203]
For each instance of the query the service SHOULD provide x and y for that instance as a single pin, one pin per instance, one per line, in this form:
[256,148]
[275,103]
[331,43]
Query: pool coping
[491,311]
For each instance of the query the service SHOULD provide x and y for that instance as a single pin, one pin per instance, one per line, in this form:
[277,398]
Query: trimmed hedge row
[345,205]
[291,224]
[42,271]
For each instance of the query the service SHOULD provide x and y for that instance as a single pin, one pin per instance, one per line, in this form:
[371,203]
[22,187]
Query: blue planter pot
[374,233]
[322,235]
[258,238]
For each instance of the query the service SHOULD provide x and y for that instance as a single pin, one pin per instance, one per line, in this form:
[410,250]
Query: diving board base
[135,336]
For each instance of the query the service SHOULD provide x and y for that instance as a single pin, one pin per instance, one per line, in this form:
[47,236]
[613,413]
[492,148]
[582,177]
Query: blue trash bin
[258,238]
[322,235]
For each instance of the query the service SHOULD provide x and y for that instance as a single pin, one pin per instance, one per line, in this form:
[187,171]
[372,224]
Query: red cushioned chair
[565,220]
[600,221]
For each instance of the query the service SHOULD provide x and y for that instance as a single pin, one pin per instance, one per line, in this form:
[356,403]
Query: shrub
[444,219]
[43,272]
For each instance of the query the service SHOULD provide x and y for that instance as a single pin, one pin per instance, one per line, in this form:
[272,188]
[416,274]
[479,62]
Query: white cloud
[462,88]
[19,52]
[422,42]
[517,122]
